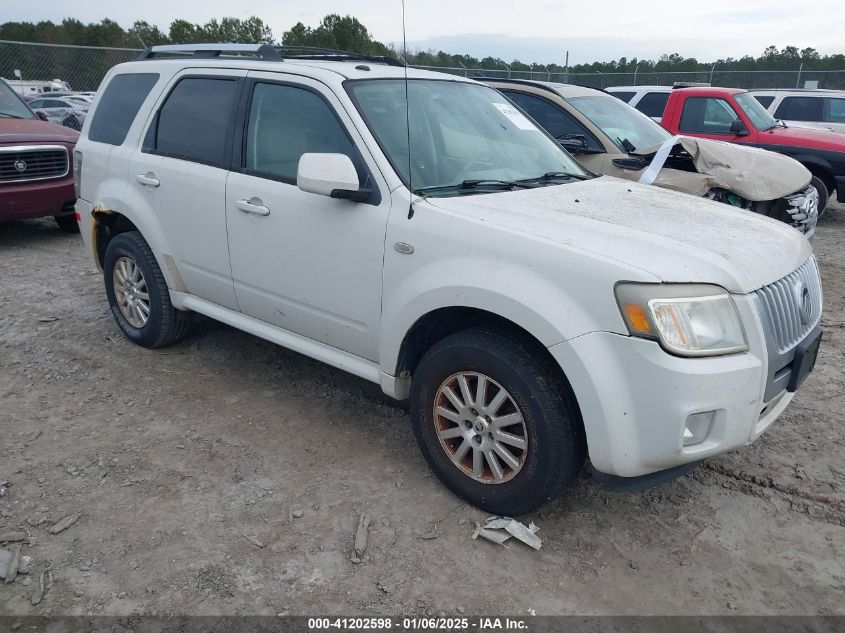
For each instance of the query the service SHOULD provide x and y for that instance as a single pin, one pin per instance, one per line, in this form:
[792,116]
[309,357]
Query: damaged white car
[612,138]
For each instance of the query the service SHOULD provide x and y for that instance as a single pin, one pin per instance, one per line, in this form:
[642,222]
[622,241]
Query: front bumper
[36,199]
[635,398]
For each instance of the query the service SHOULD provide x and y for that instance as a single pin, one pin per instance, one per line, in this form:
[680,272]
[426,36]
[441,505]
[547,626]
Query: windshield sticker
[516,117]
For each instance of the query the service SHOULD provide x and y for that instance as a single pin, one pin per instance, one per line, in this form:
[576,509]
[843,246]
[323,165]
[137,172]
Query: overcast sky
[530,30]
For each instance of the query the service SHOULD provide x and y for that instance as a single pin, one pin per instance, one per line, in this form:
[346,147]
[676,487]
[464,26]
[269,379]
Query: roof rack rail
[267,52]
[264,51]
[332,54]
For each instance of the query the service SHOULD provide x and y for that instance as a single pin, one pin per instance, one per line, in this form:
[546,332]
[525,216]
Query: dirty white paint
[677,237]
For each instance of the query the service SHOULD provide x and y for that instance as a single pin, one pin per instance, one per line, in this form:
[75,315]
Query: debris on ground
[361,536]
[253,540]
[430,535]
[3,486]
[12,537]
[296,512]
[10,563]
[500,529]
[65,523]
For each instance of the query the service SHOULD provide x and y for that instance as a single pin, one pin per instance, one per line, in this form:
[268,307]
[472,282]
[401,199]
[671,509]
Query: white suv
[530,311]
[822,109]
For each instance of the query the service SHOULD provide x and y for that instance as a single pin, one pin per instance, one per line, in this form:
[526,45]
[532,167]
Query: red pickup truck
[732,115]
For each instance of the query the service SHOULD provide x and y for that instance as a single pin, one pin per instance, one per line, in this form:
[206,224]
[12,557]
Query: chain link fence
[30,67]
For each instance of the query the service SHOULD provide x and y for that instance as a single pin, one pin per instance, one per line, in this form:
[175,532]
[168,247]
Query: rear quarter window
[624,96]
[119,105]
[653,103]
[764,100]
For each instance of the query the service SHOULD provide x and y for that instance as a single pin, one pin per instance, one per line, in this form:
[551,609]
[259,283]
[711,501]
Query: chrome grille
[803,209]
[793,305]
[22,163]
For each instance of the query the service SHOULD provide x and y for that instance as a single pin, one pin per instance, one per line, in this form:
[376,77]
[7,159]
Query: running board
[355,365]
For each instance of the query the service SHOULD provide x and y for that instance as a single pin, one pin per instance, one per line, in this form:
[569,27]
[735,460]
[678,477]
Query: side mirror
[331,175]
[738,128]
[41,116]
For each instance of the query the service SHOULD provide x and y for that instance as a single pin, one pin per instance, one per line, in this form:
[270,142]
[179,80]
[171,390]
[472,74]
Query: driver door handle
[253,205]
[148,179]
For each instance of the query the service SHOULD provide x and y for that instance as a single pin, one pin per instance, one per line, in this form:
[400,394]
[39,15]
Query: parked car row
[423,232]
[610,137]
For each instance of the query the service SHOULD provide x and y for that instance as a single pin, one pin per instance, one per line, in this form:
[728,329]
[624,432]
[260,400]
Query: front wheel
[138,294]
[496,422]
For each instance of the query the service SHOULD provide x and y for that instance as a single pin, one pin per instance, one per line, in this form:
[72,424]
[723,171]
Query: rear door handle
[253,205]
[148,180]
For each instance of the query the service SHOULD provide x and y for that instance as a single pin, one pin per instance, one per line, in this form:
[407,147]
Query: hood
[804,137]
[672,236]
[752,173]
[14,131]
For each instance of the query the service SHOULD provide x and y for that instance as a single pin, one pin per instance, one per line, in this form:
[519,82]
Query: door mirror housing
[738,128]
[41,116]
[332,175]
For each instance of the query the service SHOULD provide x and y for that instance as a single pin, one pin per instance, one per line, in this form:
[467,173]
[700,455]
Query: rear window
[835,111]
[118,106]
[800,109]
[653,103]
[625,96]
[193,124]
[764,101]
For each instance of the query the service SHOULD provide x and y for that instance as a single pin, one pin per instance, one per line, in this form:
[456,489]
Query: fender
[518,293]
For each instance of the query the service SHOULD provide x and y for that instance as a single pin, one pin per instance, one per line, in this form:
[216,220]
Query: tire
[67,223]
[72,122]
[551,422]
[164,324]
[824,194]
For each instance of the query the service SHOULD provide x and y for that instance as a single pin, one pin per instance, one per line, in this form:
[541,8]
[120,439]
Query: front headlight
[687,319]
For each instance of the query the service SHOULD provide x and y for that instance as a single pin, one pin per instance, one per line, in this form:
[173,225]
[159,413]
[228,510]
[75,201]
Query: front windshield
[620,122]
[459,133]
[761,119]
[11,105]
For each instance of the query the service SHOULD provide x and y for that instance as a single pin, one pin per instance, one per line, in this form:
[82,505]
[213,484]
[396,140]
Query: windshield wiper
[10,116]
[480,183]
[555,175]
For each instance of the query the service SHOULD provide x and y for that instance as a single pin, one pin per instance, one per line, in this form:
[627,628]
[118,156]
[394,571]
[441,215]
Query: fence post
[712,68]
[636,70]
[466,72]
[798,81]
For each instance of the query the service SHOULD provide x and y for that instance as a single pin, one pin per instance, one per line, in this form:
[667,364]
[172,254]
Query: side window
[800,109]
[286,122]
[834,110]
[624,96]
[707,115]
[555,120]
[764,100]
[118,106]
[653,103]
[194,122]
[37,103]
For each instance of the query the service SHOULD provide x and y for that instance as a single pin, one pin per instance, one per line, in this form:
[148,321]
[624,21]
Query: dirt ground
[188,464]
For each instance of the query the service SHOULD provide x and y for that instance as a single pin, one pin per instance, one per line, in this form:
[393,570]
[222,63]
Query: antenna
[408,116]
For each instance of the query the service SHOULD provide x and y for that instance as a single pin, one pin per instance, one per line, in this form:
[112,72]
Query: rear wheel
[138,294]
[824,195]
[496,422]
[67,223]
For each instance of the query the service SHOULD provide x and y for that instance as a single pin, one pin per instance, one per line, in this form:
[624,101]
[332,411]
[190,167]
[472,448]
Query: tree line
[348,33]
